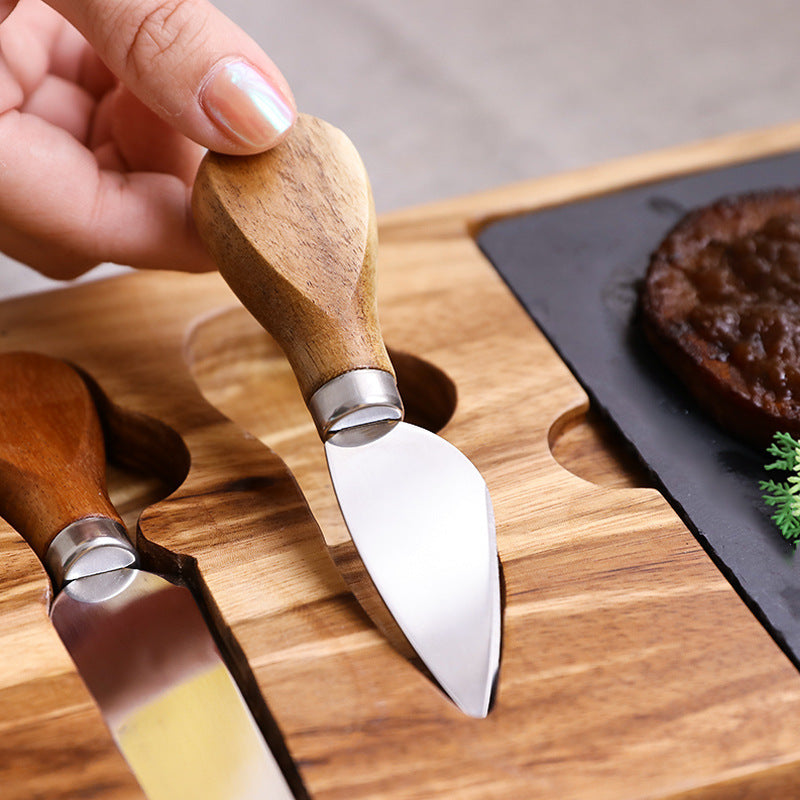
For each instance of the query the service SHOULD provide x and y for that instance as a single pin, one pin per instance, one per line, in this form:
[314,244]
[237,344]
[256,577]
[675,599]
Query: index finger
[193,66]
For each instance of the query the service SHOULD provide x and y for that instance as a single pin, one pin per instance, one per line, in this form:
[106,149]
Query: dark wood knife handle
[52,455]
[293,233]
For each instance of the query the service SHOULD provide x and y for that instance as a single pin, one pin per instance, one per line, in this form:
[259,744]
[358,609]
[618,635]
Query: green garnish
[785,496]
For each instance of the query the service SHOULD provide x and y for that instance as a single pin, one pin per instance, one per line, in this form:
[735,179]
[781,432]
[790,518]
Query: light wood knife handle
[52,456]
[293,233]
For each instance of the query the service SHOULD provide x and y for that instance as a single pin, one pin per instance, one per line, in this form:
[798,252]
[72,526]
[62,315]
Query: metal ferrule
[360,400]
[88,546]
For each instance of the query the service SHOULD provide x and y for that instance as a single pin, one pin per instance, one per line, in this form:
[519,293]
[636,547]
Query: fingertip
[192,66]
[252,111]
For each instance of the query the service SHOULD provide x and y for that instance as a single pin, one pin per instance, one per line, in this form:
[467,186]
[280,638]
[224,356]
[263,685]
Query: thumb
[192,66]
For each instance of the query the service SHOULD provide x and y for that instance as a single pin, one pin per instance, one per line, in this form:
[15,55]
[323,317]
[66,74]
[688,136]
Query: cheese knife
[140,642]
[293,232]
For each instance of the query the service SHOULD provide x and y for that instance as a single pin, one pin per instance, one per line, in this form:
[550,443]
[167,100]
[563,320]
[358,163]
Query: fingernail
[242,103]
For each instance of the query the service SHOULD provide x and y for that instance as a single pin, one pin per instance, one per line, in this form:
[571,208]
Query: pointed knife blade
[436,564]
[293,233]
[140,642]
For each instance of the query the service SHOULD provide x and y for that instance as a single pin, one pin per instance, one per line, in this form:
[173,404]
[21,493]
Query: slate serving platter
[576,269]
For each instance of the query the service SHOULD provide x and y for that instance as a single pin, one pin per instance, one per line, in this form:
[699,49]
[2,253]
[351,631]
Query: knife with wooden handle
[293,232]
[140,642]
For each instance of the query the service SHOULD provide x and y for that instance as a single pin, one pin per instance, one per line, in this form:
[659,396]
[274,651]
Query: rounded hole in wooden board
[146,459]
[242,371]
[588,446]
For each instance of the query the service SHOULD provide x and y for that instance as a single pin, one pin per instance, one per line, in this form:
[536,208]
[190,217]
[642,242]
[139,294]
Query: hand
[100,137]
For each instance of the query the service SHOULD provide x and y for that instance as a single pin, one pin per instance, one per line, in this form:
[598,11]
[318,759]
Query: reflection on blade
[421,519]
[173,728]
[144,651]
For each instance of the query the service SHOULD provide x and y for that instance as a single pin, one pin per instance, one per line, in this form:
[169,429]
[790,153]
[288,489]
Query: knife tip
[481,703]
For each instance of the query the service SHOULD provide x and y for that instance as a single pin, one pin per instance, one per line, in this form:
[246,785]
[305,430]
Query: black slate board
[576,269]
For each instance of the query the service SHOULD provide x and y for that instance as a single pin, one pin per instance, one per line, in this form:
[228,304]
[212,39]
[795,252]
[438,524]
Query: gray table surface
[444,97]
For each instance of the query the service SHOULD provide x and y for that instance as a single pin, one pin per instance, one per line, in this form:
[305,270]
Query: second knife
[140,642]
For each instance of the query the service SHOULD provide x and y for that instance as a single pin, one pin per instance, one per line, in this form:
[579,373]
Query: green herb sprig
[784,496]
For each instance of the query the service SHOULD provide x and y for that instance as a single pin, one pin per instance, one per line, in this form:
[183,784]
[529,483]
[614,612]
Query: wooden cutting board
[630,668]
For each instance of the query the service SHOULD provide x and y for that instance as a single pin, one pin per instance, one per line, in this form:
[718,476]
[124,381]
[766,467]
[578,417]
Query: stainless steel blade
[420,516]
[143,649]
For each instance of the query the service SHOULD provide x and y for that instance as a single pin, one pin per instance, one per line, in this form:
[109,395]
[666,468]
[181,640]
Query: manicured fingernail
[241,102]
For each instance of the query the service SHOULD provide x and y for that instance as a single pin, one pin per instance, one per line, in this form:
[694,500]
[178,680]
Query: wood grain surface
[630,668]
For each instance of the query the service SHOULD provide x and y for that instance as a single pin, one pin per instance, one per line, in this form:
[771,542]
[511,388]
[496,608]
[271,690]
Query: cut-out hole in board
[242,371]
[589,447]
